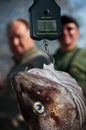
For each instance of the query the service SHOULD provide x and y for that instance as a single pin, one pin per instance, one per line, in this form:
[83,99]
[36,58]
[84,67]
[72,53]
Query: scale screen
[47,26]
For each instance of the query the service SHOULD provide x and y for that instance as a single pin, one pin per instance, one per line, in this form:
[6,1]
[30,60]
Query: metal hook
[47,50]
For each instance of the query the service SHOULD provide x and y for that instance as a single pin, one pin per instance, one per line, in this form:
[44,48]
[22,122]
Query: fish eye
[38,108]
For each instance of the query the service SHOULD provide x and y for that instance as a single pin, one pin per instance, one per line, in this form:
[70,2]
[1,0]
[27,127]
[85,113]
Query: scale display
[47,25]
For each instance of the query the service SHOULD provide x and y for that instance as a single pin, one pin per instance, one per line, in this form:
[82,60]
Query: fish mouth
[19,84]
[29,86]
[24,83]
[22,88]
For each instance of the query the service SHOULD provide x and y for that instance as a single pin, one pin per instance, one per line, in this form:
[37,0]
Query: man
[26,56]
[23,47]
[69,57]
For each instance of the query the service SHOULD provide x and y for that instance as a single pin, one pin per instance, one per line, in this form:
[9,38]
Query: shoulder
[38,61]
[80,60]
[43,57]
[57,52]
[82,53]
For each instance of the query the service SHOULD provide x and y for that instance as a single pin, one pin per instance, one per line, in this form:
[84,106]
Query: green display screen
[46,25]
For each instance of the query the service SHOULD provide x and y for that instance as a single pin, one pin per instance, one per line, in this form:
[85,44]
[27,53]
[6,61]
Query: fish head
[44,104]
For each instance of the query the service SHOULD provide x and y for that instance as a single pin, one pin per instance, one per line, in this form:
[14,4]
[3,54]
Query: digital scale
[45,20]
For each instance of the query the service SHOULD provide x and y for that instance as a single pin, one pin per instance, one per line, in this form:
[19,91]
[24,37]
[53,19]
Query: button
[46,11]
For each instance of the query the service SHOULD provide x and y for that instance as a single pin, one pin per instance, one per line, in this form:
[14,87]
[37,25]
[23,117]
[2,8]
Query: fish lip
[21,90]
[24,83]
[18,84]
[15,84]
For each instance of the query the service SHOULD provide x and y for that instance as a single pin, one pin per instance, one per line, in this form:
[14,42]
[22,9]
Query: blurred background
[10,9]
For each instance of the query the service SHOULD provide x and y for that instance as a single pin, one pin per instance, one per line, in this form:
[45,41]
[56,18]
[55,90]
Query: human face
[70,34]
[18,36]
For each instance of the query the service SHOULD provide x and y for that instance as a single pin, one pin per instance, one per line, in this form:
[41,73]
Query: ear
[78,33]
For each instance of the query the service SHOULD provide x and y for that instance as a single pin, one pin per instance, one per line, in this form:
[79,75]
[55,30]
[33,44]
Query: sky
[10,9]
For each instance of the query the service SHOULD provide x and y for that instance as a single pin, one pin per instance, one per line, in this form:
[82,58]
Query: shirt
[77,68]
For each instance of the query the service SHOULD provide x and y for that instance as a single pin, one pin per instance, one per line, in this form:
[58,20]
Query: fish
[49,99]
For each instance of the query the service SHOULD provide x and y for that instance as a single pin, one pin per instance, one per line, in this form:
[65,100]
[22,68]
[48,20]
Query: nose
[65,31]
[15,41]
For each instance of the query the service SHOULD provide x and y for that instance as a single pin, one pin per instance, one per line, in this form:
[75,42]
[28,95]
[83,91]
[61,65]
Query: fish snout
[17,83]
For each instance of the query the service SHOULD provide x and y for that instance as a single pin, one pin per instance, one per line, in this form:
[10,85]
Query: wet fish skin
[60,111]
